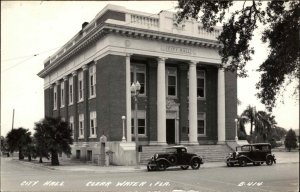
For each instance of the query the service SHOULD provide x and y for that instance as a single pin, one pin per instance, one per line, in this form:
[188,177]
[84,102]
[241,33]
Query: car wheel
[269,160]
[184,167]
[172,159]
[243,162]
[149,168]
[195,164]
[161,166]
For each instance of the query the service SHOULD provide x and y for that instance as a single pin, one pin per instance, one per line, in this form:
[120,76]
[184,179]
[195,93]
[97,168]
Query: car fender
[164,160]
[197,157]
[243,156]
[272,156]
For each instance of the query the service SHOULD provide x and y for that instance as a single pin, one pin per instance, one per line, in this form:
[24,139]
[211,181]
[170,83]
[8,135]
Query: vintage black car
[174,156]
[252,153]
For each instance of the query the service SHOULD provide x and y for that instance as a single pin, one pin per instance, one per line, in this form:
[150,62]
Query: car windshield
[245,148]
[171,150]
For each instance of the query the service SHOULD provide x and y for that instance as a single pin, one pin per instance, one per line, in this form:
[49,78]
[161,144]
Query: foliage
[53,136]
[249,117]
[290,140]
[280,19]
[17,139]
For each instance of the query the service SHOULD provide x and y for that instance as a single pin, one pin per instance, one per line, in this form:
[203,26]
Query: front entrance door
[170,128]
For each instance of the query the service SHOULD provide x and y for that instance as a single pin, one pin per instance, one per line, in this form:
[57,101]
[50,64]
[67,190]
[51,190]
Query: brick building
[184,99]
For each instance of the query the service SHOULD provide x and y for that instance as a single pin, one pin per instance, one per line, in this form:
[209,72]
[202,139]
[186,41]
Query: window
[141,122]
[201,84]
[93,124]
[80,86]
[81,126]
[70,90]
[201,124]
[171,82]
[55,97]
[138,72]
[92,81]
[71,124]
[62,94]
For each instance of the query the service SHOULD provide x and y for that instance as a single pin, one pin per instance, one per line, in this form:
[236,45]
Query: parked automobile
[257,154]
[174,156]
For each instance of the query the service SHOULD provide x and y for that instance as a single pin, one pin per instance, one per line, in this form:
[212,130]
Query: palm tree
[18,139]
[55,137]
[249,113]
[264,123]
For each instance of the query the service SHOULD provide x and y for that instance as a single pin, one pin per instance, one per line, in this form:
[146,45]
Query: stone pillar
[193,132]
[58,98]
[51,100]
[161,102]
[86,101]
[128,100]
[75,109]
[66,93]
[221,106]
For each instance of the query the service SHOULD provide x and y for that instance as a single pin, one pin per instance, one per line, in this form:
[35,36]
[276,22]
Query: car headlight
[237,153]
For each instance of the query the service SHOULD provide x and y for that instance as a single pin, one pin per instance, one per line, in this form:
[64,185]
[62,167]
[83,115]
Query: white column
[193,132]
[221,106]
[128,99]
[161,102]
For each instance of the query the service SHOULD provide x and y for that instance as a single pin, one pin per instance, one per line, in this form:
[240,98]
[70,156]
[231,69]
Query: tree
[249,115]
[265,122]
[290,140]
[17,139]
[53,136]
[282,25]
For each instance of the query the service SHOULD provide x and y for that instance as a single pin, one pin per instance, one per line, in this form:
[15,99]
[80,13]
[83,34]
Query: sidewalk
[281,157]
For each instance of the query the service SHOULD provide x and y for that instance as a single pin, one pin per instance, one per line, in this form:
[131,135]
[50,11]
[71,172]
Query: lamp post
[135,90]
[236,128]
[123,138]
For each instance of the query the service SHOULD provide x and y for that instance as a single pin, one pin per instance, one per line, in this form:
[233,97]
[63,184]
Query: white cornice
[127,31]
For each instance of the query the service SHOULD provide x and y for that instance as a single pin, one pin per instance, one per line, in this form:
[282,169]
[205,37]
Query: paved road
[17,176]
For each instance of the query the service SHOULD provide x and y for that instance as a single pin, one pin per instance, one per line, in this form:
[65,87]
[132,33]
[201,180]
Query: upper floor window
[93,124]
[81,126]
[71,124]
[62,94]
[201,124]
[201,84]
[171,81]
[141,123]
[80,86]
[55,97]
[70,90]
[92,81]
[138,73]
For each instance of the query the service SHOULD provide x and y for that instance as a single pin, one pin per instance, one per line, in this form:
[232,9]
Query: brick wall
[230,104]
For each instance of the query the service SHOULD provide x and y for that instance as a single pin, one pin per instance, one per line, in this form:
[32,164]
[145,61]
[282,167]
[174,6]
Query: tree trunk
[54,158]
[41,160]
[21,156]
[29,157]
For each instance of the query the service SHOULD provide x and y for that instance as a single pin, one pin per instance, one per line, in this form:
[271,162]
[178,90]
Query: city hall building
[185,98]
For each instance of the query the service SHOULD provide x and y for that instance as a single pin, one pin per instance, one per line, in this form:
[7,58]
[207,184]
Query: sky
[32,31]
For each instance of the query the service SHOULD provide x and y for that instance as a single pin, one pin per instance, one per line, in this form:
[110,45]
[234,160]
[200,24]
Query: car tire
[184,167]
[172,159]
[149,168]
[161,166]
[195,164]
[243,162]
[269,160]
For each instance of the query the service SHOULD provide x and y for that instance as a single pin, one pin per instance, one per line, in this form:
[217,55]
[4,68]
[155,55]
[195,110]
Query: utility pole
[12,127]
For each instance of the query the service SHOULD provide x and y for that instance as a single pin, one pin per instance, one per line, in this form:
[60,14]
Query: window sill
[70,104]
[62,106]
[201,98]
[81,137]
[202,135]
[93,137]
[80,101]
[92,97]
